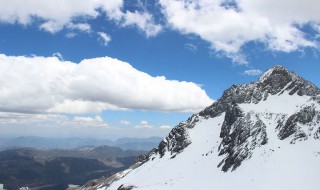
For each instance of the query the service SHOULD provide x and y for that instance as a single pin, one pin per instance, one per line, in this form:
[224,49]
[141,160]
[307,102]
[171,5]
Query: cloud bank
[280,25]
[53,16]
[59,125]
[50,85]
[229,25]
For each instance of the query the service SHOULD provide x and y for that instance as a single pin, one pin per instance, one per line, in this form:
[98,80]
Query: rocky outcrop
[241,134]
[126,187]
[301,124]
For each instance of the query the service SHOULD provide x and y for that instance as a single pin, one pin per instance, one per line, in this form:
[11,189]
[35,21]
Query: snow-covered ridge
[280,103]
[263,135]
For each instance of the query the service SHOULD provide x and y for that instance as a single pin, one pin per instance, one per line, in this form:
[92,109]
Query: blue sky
[116,68]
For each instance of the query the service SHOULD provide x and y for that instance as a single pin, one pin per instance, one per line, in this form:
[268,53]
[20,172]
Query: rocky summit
[262,135]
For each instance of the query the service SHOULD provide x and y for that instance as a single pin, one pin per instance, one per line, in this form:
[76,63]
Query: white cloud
[96,121]
[226,25]
[191,47]
[252,72]
[57,125]
[47,84]
[7,118]
[58,55]
[144,122]
[82,106]
[125,122]
[53,16]
[104,38]
[276,23]
[58,120]
[144,125]
[51,26]
[144,21]
[71,35]
[84,27]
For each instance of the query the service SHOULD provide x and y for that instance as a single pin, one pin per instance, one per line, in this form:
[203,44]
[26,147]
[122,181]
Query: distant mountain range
[54,169]
[72,143]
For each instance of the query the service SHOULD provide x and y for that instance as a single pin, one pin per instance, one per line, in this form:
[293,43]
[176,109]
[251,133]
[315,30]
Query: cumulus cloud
[48,84]
[230,25]
[252,72]
[104,38]
[52,19]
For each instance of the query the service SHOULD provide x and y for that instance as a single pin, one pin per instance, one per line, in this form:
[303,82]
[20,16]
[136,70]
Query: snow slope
[278,165]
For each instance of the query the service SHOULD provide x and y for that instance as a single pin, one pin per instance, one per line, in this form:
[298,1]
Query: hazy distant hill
[71,143]
[137,143]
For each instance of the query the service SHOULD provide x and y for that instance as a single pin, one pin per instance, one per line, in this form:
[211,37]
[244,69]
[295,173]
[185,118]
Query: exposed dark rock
[176,141]
[240,134]
[304,116]
[216,109]
[126,187]
[317,134]
[141,158]
[278,77]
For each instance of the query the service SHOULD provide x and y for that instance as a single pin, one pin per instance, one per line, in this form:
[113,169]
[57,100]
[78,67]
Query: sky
[136,68]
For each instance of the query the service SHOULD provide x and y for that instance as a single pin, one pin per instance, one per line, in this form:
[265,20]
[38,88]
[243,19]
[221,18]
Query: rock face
[240,134]
[308,117]
[253,116]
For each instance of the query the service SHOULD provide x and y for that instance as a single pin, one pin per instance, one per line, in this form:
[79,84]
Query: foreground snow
[277,165]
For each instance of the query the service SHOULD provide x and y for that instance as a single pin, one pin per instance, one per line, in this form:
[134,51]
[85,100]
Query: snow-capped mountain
[258,136]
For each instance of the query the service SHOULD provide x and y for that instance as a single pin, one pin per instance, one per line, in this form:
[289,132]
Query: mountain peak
[275,71]
[279,79]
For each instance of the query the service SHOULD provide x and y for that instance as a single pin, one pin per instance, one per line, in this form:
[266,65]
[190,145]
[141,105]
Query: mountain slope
[262,135]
